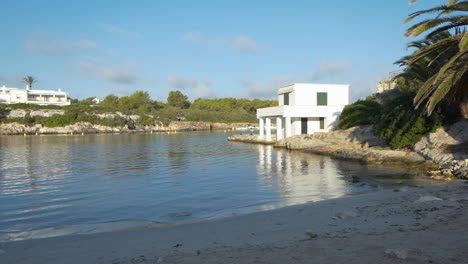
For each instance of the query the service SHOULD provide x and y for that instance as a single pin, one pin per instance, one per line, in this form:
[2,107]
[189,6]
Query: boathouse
[304,108]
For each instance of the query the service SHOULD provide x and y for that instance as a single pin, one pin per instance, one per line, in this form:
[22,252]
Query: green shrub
[401,126]
[362,112]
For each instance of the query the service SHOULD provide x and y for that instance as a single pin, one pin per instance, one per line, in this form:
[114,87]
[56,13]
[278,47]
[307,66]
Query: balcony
[300,111]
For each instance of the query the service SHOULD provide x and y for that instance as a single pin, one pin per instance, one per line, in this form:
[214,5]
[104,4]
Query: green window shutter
[286,98]
[322,122]
[322,99]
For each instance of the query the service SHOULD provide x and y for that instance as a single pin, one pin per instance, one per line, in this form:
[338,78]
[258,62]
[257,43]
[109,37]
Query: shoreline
[432,153]
[413,224]
[8,129]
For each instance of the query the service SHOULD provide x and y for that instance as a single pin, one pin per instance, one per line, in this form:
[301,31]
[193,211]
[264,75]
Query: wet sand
[407,225]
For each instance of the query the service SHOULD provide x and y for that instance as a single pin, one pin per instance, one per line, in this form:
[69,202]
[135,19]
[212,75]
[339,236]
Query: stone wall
[19,113]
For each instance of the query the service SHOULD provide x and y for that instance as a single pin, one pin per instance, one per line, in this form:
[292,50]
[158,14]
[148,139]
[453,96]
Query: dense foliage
[114,111]
[396,121]
[401,126]
[362,112]
[178,99]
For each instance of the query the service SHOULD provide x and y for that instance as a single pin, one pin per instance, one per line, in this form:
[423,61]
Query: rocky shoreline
[444,153]
[88,128]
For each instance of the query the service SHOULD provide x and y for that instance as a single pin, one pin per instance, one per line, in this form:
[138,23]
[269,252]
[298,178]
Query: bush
[362,112]
[401,126]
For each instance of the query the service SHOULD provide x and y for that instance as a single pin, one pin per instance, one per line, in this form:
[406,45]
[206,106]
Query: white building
[41,97]
[304,108]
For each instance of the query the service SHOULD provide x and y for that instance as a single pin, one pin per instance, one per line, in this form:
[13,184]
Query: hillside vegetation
[148,111]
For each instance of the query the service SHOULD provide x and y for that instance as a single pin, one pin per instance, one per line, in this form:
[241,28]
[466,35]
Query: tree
[360,113]
[178,99]
[451,79]
[418,72]
[29,80]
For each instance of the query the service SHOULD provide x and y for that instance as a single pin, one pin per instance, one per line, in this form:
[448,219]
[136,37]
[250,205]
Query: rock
[85,127]
[346,215]
[396,253]
[311,234]
[20,113]
[423,199]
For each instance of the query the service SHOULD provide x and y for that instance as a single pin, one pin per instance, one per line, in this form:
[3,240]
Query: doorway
[304,126]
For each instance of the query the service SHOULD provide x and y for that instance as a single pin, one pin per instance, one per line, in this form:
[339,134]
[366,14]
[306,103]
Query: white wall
[306,94]
[313,125]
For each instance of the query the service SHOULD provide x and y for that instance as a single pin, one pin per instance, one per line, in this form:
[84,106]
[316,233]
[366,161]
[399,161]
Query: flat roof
[290,87]
[46,92]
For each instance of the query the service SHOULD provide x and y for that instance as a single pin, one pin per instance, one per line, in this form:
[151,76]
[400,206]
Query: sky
[207,49]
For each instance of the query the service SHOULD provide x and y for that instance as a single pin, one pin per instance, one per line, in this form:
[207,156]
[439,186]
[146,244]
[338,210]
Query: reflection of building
[41,97]
[304,108]
[26,164]
[300,177]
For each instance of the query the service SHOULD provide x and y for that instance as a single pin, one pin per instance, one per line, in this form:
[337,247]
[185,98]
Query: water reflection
[50,182]
[26,165]
[299,177]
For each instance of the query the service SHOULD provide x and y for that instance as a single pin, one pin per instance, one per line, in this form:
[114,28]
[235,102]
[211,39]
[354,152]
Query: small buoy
[25,134]
[82,133]
[151,132]
[37,134]
[71,133]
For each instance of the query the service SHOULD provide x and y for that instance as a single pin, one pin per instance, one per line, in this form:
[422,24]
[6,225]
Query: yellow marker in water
[71,133]
[151,132]
[25,134]
[82,133]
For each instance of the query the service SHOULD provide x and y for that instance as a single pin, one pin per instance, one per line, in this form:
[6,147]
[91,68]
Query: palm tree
[442,21]
[29,80]
[451,79]
[423,68]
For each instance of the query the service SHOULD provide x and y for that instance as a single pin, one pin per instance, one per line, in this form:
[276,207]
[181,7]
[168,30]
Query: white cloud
[327,69]
[122,74]
[197,88]
[242,44]
[266,90]
[203,90]
[245,44]
[179,82]
[120,91]
[195,37]
[51,44]
[119,31]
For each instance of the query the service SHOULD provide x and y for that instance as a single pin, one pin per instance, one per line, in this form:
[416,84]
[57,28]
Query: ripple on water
[57,185]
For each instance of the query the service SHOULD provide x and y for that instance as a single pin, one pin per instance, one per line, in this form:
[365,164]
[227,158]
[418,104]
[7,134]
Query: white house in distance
[41,97]
[304,108]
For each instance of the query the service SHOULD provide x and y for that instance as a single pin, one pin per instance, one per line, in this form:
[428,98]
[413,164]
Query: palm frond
[444,9]
[445,28]
[425,25]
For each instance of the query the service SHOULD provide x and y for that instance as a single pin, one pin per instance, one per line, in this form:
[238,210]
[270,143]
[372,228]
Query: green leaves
[29,80]
[360,113]
[401,126]
[446,59]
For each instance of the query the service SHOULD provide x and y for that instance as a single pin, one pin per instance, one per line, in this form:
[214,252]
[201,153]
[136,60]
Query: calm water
[58,185]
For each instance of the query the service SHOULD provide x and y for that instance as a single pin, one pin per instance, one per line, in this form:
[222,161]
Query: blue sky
[209,49]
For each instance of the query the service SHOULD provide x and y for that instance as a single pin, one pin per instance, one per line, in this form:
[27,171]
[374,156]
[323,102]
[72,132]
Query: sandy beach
[407,225]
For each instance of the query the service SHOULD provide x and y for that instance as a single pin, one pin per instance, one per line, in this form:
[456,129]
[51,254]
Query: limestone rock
[424,199]
[396,253]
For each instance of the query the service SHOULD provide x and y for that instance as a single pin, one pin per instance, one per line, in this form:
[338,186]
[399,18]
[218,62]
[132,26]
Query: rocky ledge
[85,127]
[444,153]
